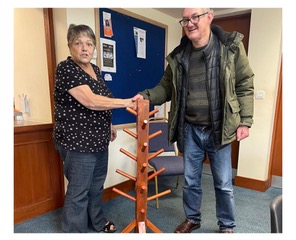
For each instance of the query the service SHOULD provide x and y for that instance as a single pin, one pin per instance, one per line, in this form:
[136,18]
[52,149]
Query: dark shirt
[197,104]
[76,127]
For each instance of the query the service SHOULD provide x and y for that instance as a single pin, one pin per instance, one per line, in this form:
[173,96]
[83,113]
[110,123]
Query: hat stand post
[140,223]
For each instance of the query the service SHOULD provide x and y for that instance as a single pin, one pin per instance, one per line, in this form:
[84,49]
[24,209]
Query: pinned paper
[108,77]
[107,23]
[108,55]
[140,42]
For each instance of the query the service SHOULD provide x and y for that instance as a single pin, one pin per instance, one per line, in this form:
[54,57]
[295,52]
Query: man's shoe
[186,227]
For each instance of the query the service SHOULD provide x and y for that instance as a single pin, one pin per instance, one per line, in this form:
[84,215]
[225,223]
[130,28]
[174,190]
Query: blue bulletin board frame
[133,74]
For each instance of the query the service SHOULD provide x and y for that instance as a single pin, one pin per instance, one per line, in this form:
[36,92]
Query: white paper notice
[140,41]
[107,77]
[108,55]
[107,22]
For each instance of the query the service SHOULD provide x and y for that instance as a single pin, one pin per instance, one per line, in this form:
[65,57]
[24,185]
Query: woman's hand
[131,104]
[113,133]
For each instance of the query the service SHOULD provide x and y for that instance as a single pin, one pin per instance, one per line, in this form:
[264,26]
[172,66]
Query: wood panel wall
[38,172]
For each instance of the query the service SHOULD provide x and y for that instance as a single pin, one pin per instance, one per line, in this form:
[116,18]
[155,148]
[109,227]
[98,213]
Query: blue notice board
[133,74]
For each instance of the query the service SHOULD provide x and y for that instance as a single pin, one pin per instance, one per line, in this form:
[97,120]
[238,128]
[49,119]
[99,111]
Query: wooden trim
[97,32]
[27,126]
[50,52]
[253,184]
[274,167]
[140,17]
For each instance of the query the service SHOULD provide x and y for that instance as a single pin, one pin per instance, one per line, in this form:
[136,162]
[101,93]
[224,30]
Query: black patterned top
[76,127]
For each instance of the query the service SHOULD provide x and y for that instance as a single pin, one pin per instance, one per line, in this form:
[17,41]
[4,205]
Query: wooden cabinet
[38,171]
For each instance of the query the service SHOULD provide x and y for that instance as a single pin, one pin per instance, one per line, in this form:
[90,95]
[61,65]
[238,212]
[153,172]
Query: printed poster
[140,42]
[107,23]
[108,55]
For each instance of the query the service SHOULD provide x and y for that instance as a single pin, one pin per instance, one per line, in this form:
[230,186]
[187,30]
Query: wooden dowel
[123,194]
[144,166]
[153,155]
[158,195]
[131,111]
[145,144]
[153,112]
[153,227]
[130,227]
[128,154]
[143,188]
[144,123]
[156,173]
[155,134]
[126,175]
[130,133]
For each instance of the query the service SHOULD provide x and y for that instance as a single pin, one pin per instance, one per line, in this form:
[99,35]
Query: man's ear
[210,16]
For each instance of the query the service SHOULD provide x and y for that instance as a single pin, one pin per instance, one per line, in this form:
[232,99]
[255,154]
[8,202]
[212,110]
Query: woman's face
[82,49]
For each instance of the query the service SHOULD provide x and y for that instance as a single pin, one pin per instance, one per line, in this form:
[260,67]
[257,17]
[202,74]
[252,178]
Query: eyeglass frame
[190,19]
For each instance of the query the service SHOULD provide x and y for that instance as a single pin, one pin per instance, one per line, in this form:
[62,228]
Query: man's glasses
[194,19]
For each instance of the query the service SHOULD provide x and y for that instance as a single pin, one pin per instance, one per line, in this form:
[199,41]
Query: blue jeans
[86,173]
[198,141]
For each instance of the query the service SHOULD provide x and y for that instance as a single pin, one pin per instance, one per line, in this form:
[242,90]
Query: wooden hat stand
[140,223]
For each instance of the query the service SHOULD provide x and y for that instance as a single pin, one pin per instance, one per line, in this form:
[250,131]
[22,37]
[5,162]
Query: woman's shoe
[109,227]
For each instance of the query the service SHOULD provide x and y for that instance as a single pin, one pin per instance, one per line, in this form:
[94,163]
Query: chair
[169,159]
[276,214]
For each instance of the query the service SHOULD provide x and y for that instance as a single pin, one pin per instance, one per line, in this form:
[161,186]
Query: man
[210,85]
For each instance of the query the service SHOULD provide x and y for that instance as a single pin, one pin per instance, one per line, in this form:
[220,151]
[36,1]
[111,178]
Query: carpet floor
[252,210]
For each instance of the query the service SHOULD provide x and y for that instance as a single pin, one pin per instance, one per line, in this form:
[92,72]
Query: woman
[82,132]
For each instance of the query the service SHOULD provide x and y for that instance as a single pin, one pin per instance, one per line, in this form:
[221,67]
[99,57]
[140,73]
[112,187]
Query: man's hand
[242,132]
[138,97]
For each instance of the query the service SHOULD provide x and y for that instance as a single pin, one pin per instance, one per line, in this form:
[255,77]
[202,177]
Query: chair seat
[174,165]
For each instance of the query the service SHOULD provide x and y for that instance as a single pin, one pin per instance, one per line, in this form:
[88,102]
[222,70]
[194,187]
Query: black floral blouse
[76,127]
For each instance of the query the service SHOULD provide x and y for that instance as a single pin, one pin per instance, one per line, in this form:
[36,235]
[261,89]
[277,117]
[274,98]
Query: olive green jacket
[230,83]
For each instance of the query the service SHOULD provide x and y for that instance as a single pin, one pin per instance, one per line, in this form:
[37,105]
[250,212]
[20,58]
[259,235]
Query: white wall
[30,64]
[265,49]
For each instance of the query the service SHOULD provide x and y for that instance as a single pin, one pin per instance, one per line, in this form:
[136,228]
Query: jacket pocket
[234,106]
[232,118]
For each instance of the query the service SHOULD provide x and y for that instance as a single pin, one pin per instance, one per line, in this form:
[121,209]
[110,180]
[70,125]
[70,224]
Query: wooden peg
[123,194]
[144,123]
[144,166]
[130,133]
[143,188]
[131,111]
[158,195]
[145,145]
[128,154]
[153,155]
[126,175]
[153,112]
[155,134]
[156,173]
